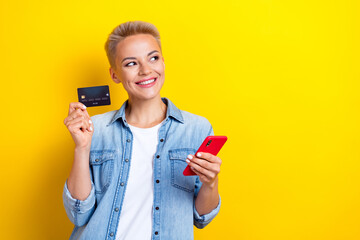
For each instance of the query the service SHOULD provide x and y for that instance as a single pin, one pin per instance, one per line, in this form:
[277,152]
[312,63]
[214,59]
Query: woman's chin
[146,97]
[147,93]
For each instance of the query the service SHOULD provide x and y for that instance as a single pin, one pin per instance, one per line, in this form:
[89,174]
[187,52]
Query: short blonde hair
[125,30]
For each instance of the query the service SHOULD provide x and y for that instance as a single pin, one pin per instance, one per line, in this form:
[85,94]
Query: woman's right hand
[79,125]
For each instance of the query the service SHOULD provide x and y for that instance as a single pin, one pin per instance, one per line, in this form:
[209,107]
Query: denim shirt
[174,212]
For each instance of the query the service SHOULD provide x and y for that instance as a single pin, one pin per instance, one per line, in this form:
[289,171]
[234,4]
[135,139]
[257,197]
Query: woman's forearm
[208,198]
[79,182]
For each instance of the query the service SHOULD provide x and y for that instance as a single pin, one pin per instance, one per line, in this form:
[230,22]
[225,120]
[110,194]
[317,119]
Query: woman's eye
[154,58]
[130,64]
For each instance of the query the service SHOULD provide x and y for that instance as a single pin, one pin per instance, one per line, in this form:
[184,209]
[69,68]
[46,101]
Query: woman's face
[139,66]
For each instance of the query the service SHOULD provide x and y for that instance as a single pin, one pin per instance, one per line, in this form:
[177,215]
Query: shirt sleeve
[79,211]
[203,220]
[200,221]
[211,131]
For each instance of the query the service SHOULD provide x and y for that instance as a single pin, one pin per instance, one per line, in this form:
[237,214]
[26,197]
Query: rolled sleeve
[79,211]
[203,220]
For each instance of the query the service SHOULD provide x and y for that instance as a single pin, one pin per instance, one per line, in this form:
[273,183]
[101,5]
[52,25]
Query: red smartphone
[211,144]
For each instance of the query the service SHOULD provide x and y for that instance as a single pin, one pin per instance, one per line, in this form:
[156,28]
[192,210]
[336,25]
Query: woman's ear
[113,75]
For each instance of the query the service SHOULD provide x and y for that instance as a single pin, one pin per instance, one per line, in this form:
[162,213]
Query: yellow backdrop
[280,78]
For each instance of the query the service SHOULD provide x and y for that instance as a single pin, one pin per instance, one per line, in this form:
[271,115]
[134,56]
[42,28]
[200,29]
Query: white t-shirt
[136,213]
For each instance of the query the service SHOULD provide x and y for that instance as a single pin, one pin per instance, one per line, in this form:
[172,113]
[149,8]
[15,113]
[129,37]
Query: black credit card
[94,96]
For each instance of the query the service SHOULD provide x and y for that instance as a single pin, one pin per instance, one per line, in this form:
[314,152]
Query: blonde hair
[125,30]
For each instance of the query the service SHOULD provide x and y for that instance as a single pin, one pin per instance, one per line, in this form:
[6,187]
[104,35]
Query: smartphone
[211,144]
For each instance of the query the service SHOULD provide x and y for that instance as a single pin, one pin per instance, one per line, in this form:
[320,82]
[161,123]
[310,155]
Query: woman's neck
[145,113]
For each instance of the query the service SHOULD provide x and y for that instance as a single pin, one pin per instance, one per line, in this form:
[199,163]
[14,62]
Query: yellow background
[280,78]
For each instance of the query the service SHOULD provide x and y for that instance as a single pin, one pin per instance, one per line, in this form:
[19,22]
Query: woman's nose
[145,69]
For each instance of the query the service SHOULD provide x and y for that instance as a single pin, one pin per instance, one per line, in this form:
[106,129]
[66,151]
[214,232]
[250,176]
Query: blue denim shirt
[174,212]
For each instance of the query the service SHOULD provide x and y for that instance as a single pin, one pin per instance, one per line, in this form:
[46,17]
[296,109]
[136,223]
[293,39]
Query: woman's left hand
[206,166]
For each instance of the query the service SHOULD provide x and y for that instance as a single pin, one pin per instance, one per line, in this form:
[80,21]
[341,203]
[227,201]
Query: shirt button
[157,208]
[161,140]
[157,156]
[156,233]
[126,160]
[122,184]
[111,234]
[96,160]
[128,140]
[116,209]
[157,181]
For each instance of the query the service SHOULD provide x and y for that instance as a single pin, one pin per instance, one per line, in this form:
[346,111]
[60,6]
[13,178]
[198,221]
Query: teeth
[147,82]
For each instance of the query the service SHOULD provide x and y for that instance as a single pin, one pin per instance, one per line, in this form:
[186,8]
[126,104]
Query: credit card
[94,96]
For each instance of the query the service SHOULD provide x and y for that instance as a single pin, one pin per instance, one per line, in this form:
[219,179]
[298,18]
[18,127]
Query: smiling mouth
[146,81]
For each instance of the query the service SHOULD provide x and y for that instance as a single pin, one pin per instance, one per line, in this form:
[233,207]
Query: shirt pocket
[102,165]
[178,164]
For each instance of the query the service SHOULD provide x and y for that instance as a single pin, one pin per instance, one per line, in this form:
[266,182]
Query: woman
[126,181]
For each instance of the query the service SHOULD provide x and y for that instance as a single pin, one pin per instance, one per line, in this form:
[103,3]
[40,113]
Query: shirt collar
[172,111]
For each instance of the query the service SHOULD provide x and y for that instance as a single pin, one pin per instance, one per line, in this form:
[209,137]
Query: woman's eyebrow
[152,52]
[127,58]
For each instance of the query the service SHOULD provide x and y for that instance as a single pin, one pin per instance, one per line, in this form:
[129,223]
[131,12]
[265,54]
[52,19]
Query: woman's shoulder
[195,125]
[103,118]
[194,119]
[185,116]
[102,133]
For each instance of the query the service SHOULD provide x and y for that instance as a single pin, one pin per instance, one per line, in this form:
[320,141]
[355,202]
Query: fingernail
[190,157]
[192,168]
[90,121]
[198,154]
[187,160]
[90,128]
[84,107]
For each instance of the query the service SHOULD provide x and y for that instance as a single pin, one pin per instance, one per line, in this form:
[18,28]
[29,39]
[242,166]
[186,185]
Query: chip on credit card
[94,96]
